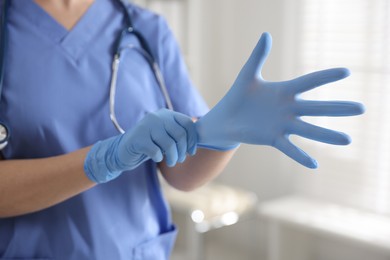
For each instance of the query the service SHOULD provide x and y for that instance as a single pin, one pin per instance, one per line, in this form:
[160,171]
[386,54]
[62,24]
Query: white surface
[213,205]
[213,199]
[330,219]
[217,251]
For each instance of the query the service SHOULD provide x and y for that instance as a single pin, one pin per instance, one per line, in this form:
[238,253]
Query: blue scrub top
[55,100]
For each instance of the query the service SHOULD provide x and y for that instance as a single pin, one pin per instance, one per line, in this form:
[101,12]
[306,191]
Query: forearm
[34,184]
[196,170]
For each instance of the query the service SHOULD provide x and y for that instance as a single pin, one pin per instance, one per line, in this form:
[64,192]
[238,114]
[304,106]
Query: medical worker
[71,185]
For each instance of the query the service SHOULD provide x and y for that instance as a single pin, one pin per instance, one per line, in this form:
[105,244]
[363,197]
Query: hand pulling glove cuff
[160,135]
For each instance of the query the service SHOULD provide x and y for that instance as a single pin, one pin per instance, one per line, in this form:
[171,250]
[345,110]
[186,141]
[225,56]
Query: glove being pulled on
[256,111]
[165,133]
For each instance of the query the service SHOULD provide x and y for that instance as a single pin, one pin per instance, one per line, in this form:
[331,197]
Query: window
[353,34]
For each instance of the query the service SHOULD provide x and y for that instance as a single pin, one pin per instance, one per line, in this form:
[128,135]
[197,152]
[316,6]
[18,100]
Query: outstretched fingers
[319,134]
[292,151]
[316,79]
[254,65]
[328,108]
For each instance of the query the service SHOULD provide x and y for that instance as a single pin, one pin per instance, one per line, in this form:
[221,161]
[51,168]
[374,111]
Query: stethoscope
[144,50]
[4,130]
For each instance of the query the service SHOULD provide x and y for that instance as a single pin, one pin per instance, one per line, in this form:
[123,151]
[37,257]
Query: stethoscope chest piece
[4,135]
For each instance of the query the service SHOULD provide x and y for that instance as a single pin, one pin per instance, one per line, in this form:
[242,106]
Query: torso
[55,100]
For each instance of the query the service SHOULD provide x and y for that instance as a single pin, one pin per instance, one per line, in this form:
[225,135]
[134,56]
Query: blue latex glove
[162,134]
[256,111]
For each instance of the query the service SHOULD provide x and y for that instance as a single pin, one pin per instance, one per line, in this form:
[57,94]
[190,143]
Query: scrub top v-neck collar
[74,41]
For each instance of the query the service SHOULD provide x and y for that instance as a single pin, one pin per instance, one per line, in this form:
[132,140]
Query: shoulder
[146,19]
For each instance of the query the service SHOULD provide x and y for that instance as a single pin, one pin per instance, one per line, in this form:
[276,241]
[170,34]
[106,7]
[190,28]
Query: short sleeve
[185,96]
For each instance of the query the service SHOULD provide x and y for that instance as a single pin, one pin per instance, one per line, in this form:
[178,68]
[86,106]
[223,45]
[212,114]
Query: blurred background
[265,206]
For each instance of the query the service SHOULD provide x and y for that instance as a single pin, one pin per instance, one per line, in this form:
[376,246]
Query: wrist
[100,163]
[214,136]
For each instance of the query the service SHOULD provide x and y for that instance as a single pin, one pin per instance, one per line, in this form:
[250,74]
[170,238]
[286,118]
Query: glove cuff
[96,166]
[214,137]
[219,148]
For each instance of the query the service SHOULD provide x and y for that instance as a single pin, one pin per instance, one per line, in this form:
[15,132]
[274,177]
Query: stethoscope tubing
[146,52]
[4,129]
[156,71]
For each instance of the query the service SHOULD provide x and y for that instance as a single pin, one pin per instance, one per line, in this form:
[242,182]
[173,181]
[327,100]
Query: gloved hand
[162,134]
[256,111]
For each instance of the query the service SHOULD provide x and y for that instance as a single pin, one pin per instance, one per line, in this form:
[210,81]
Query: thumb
[254,65]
